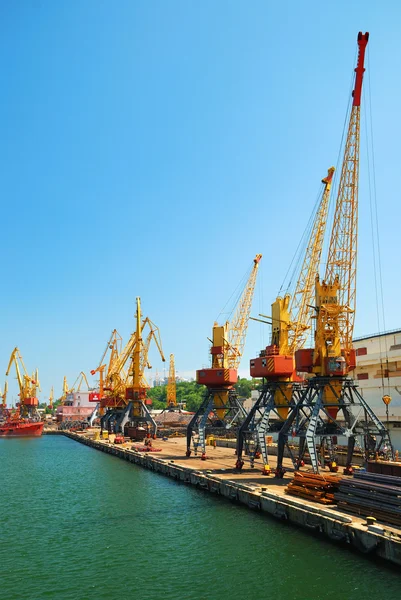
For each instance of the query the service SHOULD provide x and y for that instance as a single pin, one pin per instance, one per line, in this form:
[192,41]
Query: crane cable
[261,311]
[375,235]
[236,294]
[299,253]
[301,248]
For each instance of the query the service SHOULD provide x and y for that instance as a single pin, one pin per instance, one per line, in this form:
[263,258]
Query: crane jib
[362,43]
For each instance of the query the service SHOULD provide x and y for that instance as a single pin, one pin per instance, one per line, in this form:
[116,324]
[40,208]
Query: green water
[79,524]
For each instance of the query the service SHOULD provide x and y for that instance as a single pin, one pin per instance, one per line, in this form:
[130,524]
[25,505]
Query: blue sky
[153,148]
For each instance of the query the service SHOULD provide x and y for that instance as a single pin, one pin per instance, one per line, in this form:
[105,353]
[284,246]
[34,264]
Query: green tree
[189,392]
[244,386]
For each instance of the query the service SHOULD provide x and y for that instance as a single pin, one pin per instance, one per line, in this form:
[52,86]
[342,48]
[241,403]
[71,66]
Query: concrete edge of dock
[334,525]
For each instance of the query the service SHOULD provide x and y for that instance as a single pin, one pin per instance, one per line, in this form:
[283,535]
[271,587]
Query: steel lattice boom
[171,385]
[300,313]
[239,322]
[342,256]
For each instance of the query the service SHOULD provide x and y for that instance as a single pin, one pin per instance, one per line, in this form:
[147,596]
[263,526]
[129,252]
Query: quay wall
[333,524]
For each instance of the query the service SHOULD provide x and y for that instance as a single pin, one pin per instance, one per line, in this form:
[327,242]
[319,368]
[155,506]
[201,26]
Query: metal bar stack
[314,487]
[372,495]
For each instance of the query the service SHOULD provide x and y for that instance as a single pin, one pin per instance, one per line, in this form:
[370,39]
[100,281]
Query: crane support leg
[220,411]
[310,435]
[94,415]
[123,418]
[281,444]
[247,431]
[202,427]
[192,425]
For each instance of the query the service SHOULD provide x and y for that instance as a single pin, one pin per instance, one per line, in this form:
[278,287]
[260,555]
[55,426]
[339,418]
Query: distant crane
[28,386]
[330,391]
[51,398]
[171,386]
[76,386]
[290,323]
[66,391]
[221,408]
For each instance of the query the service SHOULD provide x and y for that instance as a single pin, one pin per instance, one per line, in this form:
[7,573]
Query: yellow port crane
[330,391]
[28,387]
[136,384]
[113,349]
[221,408]
[290,323]
[124,398]
[76,387]
[113,381]
[171,386]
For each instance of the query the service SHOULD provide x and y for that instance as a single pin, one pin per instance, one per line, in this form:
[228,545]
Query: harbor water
[79,524]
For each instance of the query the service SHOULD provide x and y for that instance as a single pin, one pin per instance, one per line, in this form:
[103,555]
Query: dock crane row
[28,387]
[290,323]
[221,408]
[331,405]
[122,395]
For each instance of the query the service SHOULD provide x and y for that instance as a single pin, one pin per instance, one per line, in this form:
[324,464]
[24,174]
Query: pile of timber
[372,495]
[314,487]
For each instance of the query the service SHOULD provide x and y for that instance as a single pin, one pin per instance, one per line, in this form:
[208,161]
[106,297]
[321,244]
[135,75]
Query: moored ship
[24,420]
[21,427]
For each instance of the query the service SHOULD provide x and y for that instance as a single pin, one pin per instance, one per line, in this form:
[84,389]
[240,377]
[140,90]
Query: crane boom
[302,298]
[117,367]
[79,381]
[114,345]
[14,359]
[239,322]
[139,357]
[342,255]
[171,384]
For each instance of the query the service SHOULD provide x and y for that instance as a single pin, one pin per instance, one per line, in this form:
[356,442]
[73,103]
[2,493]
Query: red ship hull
[21,429]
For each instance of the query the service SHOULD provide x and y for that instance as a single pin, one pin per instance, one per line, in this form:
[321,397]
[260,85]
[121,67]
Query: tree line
[192,393]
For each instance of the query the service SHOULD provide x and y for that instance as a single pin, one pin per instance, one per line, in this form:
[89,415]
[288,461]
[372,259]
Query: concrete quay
[266,494]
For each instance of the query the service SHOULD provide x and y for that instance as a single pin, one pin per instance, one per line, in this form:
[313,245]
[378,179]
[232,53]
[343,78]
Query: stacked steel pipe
[373,495]
[314,487]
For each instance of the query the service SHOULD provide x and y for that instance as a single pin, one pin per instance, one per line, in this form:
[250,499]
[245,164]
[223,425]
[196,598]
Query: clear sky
[152,148]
